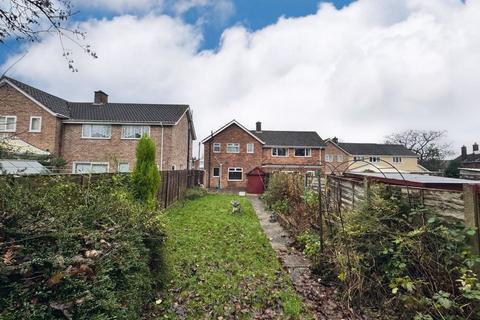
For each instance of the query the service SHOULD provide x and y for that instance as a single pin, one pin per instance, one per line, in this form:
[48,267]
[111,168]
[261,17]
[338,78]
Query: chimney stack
[100,97]
[335,140]
[259,127]
[464,151]
[475,148]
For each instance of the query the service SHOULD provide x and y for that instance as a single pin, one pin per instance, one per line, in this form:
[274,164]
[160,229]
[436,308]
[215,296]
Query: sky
[356,70]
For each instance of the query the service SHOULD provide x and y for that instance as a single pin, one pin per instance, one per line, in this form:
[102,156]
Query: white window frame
[235,169]
[328,157]
[233,145]
[123,163]
[6,121]
[340,158]
[39,125]
[276,155]
[358,158]
[250,148]
[213,172]
[397,159]
[215,145]
[91,163]
[147,131]
[307,154]
[97,138]
[374,159]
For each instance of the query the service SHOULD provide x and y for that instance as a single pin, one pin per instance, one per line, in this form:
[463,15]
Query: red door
[255,181]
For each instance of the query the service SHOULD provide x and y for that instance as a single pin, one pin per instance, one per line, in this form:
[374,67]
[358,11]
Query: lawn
[221,266]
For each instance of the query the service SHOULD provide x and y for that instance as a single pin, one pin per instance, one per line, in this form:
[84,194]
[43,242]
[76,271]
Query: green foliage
[195,193]
[405,261]
[71,251]
[146,177]
[284,189]
[222,266]
[452,169]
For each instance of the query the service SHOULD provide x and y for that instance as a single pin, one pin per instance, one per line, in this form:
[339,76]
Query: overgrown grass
[222,266]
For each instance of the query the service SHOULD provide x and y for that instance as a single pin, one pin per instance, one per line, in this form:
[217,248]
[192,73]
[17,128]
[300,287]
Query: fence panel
[174,185]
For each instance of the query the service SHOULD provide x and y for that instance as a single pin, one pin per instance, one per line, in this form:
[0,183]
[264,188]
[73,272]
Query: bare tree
[429,145]
[29,19]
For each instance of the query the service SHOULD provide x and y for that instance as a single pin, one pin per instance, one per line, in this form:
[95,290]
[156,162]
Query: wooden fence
[174,185]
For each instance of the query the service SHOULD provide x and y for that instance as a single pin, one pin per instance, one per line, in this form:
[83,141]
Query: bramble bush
[405,263]
[76,252]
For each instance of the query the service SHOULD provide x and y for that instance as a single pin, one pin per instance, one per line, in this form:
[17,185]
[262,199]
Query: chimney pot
[259,127]
[100,97]
[464,151]
[335,140]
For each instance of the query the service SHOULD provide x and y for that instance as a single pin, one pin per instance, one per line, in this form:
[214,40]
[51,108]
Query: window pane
[250,148]
[82,167]
[35,125]
[100,131]
[10,124]
[123,167]
[233,148]
[216,172]
[300,152]
[135,132]
[235,176]
[99,168]
[86,130]
[216,147]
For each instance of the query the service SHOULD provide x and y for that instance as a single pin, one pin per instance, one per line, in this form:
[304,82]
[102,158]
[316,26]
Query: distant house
[236,158]
[370,157]
[95,136]
[469,163]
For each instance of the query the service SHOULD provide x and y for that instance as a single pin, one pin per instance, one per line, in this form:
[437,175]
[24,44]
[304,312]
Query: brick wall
[247,161]
[178,147]
[14,103]
[291,162]
[335,151]
[115,149]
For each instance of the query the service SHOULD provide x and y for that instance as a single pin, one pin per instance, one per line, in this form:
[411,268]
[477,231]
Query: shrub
[195,193]
[146,177]
[405,261]
[283,190]
[71,251]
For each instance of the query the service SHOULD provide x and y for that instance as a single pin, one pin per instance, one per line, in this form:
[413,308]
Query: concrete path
[319,298]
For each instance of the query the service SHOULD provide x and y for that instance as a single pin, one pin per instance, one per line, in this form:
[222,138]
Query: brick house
[360,157]
[233,155]
[96,136]
[469,163]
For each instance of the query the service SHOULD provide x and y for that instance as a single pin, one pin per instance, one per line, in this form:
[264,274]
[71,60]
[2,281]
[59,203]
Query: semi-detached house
[96,136]
[236,158]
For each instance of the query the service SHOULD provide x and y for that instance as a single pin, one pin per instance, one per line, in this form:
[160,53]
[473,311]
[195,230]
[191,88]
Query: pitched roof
[112,112]
[473,157]
[376,149]
[290,138]
[55,104]
[126,112]
[233,122]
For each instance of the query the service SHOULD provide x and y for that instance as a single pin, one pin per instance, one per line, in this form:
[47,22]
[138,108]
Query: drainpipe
[161,150]
[209,158]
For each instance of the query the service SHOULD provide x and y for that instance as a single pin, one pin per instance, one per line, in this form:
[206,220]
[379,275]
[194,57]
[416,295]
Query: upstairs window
[328,158]
[397,159]
[250,148]
[339,157]
[135,132]
[279,152]
[233,147]
[358,158]
[8,123]
[303,152]
[35,124]
[217,148]
[375,159]
[96,131]
[90,167]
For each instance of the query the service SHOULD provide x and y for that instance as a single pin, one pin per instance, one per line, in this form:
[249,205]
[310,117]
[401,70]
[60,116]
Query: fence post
[472,208]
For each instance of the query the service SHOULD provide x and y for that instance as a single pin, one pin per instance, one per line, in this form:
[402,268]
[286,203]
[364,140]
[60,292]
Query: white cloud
[358,73]
[120,6]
